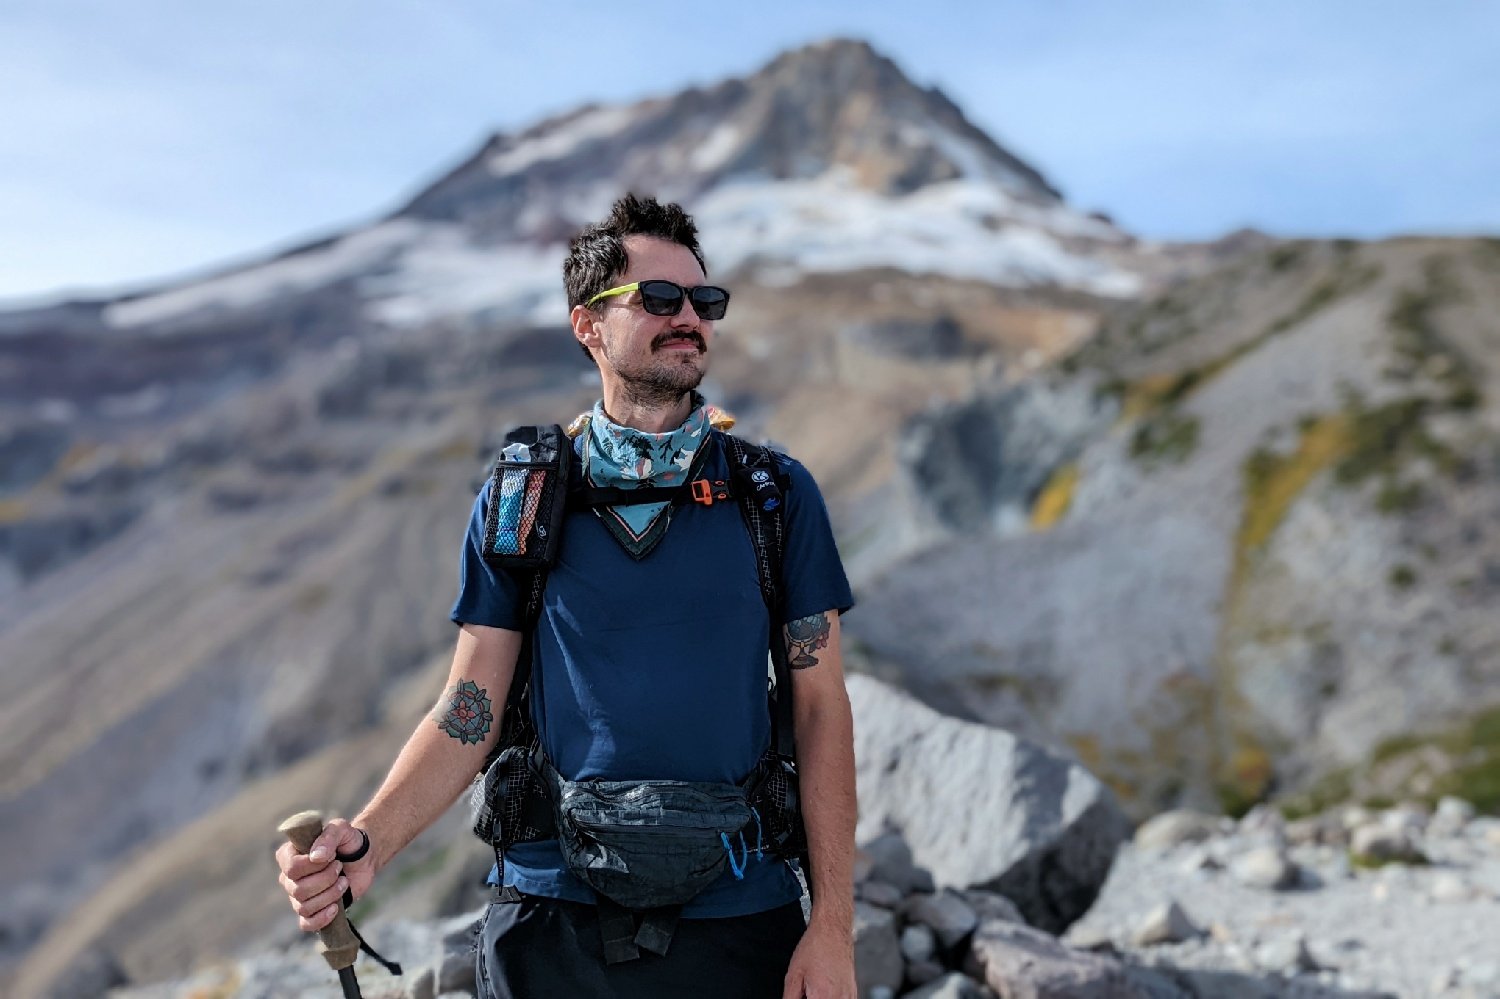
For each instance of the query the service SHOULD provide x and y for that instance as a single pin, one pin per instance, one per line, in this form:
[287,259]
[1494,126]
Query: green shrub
[1165,436]
[1396,496]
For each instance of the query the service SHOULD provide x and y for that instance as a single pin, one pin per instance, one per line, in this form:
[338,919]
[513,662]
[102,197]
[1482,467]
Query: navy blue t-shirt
[657,668]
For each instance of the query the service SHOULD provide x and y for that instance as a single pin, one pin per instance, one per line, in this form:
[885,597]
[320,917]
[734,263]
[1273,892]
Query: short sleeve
[813,572]
[486,596]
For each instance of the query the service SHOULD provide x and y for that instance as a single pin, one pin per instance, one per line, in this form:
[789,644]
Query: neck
[652,416]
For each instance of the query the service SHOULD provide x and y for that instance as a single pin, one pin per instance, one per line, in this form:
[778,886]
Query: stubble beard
[662,379]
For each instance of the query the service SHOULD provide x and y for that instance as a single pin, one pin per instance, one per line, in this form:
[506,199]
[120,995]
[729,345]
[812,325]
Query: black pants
[540,948]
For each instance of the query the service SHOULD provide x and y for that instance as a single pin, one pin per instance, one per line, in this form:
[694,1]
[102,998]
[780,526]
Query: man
[649,664]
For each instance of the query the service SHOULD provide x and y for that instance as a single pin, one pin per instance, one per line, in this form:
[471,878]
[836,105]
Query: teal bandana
[627,458]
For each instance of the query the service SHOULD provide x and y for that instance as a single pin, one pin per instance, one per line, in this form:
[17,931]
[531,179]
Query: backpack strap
[751,468]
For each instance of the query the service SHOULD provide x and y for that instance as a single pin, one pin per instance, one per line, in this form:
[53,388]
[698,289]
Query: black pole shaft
[350,983]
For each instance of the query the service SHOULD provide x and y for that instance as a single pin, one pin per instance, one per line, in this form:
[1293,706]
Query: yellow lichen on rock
[1273,483]
[1056,497]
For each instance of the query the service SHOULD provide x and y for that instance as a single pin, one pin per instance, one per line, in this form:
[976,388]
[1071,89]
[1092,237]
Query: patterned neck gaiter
[627,458]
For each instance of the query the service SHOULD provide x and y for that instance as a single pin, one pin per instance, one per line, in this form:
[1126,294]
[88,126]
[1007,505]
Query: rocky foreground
[1350,903]
[990,867]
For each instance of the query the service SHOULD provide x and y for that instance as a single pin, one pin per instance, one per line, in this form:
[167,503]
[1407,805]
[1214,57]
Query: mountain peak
[837,107]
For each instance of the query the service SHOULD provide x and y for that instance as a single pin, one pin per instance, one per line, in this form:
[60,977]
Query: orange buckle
[703,492]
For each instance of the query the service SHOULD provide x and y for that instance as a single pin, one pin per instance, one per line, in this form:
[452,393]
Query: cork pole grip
[336,941]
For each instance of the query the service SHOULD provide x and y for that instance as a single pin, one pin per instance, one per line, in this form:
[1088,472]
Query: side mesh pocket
[528,499]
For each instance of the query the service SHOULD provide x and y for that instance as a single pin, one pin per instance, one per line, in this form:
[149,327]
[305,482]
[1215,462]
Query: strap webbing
[617,927]
[768,534]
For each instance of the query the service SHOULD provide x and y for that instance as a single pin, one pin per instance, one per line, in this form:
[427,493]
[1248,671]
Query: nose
[687,319]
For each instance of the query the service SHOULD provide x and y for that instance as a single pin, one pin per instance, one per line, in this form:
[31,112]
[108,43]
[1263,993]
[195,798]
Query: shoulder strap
[751,466]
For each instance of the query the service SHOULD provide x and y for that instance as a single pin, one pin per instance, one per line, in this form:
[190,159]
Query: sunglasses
[664,298]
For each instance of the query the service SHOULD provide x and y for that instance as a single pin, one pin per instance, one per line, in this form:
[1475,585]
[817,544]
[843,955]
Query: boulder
[980,808]
[891,862]
[879,893]
[1175,828]
[950,986]
[877,949]
[1019,962]
[946,913]
[988,905]
[1382,843]
[1265,867]
[455,967]
[918,943]
[1167,923]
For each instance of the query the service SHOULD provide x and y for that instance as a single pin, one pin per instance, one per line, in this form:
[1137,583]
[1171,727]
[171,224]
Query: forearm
[825,761]
[429,774]
[824,727]
[449,745]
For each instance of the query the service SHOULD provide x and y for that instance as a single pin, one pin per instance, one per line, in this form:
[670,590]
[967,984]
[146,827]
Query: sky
[155,139]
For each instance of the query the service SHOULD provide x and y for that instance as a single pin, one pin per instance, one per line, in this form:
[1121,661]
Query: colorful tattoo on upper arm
[804,637]
[464,713]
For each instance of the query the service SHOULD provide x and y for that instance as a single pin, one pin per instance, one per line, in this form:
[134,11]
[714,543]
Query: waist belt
[644,847]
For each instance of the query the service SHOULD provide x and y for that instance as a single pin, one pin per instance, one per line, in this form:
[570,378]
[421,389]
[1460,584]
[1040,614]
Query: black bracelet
[364,848]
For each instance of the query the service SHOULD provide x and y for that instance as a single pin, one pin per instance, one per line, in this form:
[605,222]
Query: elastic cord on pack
[737,866]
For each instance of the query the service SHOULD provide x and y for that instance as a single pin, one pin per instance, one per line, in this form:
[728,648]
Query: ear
[585,326]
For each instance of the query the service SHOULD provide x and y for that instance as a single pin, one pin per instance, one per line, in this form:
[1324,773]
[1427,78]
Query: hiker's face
[660,357]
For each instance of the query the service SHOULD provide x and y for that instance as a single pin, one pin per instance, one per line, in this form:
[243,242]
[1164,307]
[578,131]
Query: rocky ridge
[1237,547]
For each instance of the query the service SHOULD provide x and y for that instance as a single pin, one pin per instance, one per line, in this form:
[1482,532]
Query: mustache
[693,335]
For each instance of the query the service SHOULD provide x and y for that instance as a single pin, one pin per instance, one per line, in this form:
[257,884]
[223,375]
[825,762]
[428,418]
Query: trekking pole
[336,941]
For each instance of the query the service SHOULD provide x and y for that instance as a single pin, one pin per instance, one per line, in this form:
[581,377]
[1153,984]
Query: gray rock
[923,972]
[1408,816]
[1452,815]
[454,971]
[1093,938]
[882,992]
[1263,820]
[1148,982]
[1175,828]
[1315,830]
[1354,816]
[1037,827]
[1285,955]
[877,949]
[1032,429]
[1166,923]
[423,985]
[989,905]
[1199,859]
[950,986]
[1383,843]
[918,943]
[1019,962]
[879,893]
[950,917]
[891,862]
[1265,867]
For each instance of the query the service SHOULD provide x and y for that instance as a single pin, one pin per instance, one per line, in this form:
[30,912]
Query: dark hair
[596,256]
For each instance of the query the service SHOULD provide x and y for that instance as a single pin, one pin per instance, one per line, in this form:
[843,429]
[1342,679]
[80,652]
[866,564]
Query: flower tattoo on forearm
[805,637]
[464,713]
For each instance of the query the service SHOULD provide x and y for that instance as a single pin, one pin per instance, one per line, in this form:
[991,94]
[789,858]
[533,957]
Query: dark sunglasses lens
[710,302]
[661,298]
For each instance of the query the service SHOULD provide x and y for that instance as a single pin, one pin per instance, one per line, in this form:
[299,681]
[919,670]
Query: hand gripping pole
[336,941]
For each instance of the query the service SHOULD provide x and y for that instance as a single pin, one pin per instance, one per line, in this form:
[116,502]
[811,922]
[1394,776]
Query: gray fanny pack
[646,844]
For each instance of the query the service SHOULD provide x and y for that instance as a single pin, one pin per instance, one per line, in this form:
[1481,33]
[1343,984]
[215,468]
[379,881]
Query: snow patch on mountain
[962,228]
[359,252]
[562,141]
[443,274]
